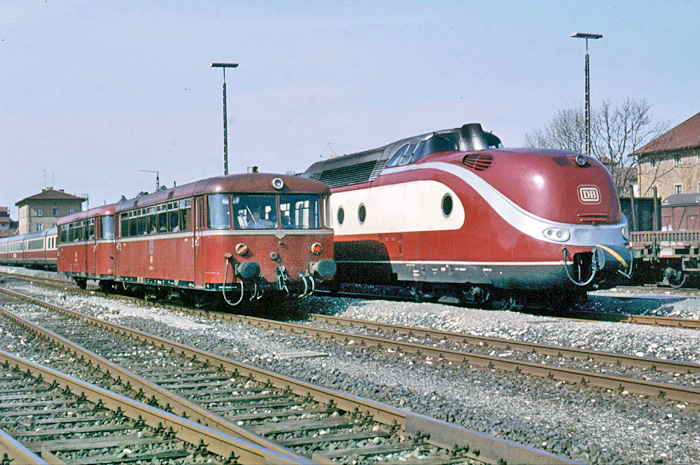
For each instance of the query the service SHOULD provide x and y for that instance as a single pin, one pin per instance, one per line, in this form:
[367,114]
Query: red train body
[452,210]
[205,236]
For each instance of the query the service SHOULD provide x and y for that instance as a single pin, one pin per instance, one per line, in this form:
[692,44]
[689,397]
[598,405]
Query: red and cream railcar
[238,234]
[37,249]
[454,211]
[87,246]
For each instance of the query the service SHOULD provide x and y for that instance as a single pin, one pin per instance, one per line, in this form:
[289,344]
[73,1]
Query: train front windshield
[264,211]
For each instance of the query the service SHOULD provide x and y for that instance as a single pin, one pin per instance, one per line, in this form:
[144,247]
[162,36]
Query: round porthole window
[362,213]
[447,205]
[341,215]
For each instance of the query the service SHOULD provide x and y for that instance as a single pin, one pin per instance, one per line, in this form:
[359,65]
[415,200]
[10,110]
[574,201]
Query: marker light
[316,248]
[557,234]
[241,249]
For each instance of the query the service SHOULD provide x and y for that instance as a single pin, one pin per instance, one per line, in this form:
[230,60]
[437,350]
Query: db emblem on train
[588,194]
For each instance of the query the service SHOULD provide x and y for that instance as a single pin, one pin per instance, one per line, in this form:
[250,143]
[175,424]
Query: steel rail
[487,448]
[671,366]
[176,403]
[186,430]
[648,388]
[14,451]
[661,321]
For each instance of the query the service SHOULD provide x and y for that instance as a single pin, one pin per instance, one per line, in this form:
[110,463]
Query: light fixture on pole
[224,66]
[586,35]
[157,177]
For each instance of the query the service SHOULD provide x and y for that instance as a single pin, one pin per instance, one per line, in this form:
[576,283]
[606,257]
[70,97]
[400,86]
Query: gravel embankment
[585,424]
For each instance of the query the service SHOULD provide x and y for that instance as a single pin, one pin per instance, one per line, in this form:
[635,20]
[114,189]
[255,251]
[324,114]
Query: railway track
[50,417]
[328,426]
[543,366]
[685,323]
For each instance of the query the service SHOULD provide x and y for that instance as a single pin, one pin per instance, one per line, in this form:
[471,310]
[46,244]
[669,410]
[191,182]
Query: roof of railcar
[248,183]
[91,213]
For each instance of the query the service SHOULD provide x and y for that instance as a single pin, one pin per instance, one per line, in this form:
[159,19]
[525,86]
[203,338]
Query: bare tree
[616,132]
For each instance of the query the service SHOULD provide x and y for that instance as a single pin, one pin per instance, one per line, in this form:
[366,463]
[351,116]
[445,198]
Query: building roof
[684,136]
[50,193]
[677,200]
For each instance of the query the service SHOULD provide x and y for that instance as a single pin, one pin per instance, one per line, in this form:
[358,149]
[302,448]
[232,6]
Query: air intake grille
[347,175]
[478,161]
[593,218]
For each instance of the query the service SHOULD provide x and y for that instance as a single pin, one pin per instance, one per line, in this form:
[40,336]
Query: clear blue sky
[94,91]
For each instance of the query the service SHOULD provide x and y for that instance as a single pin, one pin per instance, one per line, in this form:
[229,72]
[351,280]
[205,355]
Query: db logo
[588,194]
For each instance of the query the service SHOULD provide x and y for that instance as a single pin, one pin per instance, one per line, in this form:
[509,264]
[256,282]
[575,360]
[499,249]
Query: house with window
[671,162]
[7,226]
[43,210]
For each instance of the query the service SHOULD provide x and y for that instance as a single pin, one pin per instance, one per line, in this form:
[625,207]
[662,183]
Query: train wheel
[675,278]
[81,283]
[501,302]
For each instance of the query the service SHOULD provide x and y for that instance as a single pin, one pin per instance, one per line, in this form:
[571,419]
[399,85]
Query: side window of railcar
[185,214]
[124,225]
[64,233]
[90,232]
[107,230]
[162,218]
[133,226]
[151,225]
[300,211]
[218,211]
[173,217]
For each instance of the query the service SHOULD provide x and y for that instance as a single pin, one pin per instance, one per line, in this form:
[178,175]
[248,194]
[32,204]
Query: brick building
[43,210]
[671,162]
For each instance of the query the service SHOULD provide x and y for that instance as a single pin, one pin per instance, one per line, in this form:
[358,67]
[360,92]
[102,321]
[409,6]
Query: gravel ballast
[586,424]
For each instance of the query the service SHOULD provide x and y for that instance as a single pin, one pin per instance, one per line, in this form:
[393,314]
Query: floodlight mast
[223,66]
[587,35]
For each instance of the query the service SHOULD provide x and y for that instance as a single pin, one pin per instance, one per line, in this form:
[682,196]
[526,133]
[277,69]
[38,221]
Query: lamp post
[586,35]
[224,66]
[157,177]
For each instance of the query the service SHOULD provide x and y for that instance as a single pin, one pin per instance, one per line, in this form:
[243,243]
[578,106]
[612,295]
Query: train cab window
[397,156]
[435,143]
[107,227]
[301,211]
[218,211]
[255,211]
[90,230]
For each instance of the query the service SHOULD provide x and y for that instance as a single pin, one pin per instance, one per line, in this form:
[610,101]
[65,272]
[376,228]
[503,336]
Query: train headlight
[626,233]
[316,248]
[557,234]
[277,183]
